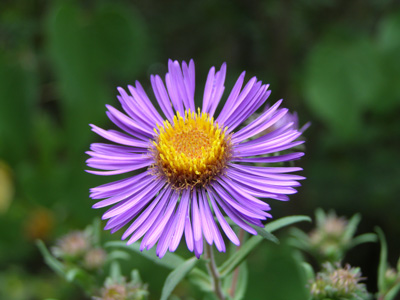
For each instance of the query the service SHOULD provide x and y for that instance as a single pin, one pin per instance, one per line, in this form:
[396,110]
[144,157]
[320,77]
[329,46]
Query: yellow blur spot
[6,187]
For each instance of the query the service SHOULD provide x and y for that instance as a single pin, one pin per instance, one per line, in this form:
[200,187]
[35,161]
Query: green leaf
[363,238]
[352,227]
[201,280]
[75,274]
[237,258]
[117,254]
[286,221]
[393,292]
[170,260]
[308,271]
[115,271]
[320,217]
[398,266]
[176,276]
[343,78]
[265,234]
[382,262]
[242,282]
[50,260]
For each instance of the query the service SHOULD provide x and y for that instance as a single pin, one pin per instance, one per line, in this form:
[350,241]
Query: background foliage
[335,62]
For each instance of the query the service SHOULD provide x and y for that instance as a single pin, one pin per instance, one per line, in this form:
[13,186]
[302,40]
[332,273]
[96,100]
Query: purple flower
[192,170]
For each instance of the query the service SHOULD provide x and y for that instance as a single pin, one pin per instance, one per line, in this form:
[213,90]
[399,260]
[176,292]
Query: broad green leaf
[237,258]
[170,260]
[50,260]
[382,261]
[18,94]
[343,78]
[176,276]
[352,227]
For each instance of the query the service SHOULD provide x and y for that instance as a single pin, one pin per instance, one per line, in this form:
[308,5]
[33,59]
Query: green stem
[213,272]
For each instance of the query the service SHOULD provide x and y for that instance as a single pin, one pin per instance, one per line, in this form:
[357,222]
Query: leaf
[286,221]
[176,276]
[363,238]
[201,280]
[242,282]
[170,260]
[117,254]
[308,271]
[265,234]
[382,261]
[115,271]
[237,258]
[320,217]
[73,274]
[392,293]
[50,260]
[343,78]
[352,227]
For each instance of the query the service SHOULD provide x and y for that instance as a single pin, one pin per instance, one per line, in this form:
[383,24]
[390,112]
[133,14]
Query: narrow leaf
[286,221]
[242,282]
[393,292]
[352,227]
[50,260]
[115,271]
[320,217]
[363,238]
[237,258]
[176,276]
[382,261]
[265,234]
[170,260]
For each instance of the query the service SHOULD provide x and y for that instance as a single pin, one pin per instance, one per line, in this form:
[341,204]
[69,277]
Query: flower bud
[335,282]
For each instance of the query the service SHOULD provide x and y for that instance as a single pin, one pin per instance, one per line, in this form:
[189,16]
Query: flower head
[335,282]
[190,165]
[72,245]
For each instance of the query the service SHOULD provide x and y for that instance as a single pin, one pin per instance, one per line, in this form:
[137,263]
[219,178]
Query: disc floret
[191,151]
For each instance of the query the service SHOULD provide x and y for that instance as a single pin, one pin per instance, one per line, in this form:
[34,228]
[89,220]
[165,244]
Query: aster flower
[194,167]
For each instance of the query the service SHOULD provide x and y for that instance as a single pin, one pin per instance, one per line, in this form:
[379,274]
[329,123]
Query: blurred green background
[337,63]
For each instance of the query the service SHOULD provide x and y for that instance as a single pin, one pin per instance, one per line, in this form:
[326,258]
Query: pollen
[191,151]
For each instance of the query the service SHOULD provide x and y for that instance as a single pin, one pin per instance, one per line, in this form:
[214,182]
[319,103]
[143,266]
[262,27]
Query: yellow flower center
[191,151]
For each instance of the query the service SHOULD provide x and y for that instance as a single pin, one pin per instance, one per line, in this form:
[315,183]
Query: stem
[213,272]
[235,277]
